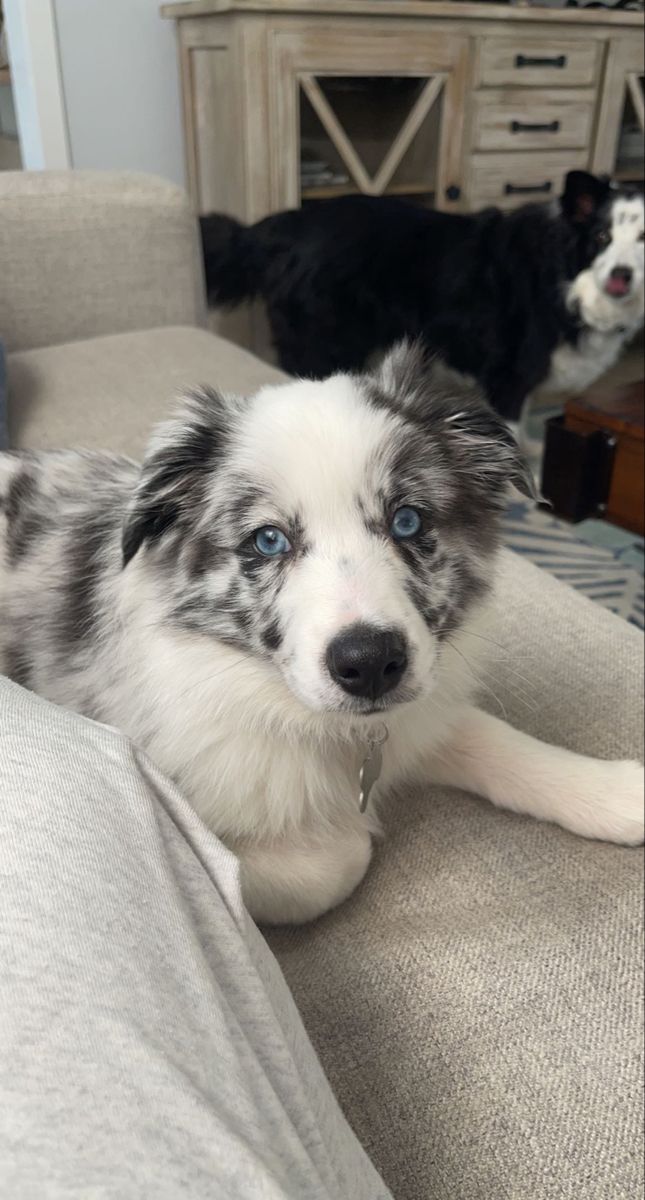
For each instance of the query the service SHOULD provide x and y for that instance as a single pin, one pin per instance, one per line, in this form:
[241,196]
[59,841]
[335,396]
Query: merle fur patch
[86,551]
[176,472]
[26,519]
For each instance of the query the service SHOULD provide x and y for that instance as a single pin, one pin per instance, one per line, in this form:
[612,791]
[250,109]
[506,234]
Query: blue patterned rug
[603,562]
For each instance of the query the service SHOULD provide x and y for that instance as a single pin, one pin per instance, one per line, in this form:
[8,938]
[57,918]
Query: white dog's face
[340,530]
[619,266]
[336,529]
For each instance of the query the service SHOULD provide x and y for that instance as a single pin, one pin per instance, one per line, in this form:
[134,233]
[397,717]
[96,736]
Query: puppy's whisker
[519,696]
[515,692]
[476,677]
[498,645]
[506,667]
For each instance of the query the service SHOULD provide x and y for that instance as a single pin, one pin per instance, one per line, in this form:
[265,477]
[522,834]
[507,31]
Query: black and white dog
[279,607]
[544,297]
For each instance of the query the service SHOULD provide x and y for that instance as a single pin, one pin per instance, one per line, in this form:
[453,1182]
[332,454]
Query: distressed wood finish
[372,185]
[337,135]
[402,9]
[635,88]
[541,120]
[301,54]
[624,59]
[511,61]
[245,63]
[407,132]
[508,179]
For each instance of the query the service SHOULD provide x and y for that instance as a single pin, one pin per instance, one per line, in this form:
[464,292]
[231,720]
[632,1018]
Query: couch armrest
[84,253]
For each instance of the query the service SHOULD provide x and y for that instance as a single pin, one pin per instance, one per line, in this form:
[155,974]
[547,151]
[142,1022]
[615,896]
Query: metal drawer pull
[516,189]
[524,60]
[527,127]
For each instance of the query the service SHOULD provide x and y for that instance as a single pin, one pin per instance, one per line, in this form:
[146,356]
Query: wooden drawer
[508,180]
[524,61]
[535,120]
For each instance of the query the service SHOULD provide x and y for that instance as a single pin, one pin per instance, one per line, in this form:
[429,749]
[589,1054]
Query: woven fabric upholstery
[84,253]
[107,393]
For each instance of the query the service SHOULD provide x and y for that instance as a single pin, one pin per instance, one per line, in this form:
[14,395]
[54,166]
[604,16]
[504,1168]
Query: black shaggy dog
[491,292]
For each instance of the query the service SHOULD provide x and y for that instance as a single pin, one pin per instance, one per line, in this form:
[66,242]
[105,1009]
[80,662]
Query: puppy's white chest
[574,368]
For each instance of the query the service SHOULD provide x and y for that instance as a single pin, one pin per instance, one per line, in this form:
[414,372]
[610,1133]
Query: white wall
[36,83]
[120,78]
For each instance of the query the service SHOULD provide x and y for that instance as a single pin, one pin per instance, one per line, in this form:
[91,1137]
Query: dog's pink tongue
[615,286]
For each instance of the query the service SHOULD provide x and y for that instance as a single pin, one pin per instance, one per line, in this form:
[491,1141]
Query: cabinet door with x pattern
[374,108]
[618,145]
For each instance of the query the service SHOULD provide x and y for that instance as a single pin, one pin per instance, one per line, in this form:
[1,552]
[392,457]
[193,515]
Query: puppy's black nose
[623,273]
[367,662]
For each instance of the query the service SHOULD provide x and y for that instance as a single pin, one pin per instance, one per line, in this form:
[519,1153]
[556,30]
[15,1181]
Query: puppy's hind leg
[290,881]
[589,796]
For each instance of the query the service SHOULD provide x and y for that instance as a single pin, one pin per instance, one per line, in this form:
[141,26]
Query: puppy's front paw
[617,809]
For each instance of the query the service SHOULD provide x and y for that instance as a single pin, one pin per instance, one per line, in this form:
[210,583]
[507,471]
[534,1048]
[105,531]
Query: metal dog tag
[371,768]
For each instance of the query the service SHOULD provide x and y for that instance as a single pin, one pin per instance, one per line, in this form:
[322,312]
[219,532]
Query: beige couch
[477,1004]
[102,309]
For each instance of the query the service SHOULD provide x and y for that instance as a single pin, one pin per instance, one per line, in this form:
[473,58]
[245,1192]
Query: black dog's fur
[346,278]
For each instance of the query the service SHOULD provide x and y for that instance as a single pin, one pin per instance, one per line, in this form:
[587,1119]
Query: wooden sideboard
[458,105]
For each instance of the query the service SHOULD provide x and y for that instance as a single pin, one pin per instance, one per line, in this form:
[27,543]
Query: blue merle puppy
[270,605]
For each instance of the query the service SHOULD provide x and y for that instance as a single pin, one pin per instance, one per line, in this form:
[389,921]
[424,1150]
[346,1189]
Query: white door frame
[37,84]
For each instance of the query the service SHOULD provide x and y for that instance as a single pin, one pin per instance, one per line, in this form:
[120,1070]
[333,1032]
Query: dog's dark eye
[406,523]
[641,236]
[603,238]
[271,541]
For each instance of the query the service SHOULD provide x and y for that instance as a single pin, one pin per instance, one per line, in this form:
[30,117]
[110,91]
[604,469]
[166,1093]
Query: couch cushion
[108,392]
[4,441]
[84,253]
[477,1005]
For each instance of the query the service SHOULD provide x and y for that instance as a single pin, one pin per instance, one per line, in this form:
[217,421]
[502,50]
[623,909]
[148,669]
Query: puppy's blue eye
[406,523]
[271,541]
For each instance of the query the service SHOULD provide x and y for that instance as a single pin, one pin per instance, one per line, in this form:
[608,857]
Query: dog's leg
[589,796]
[290,881]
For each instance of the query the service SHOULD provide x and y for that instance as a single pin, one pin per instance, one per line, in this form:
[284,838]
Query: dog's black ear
[583,196]
[180,457]
[454,408]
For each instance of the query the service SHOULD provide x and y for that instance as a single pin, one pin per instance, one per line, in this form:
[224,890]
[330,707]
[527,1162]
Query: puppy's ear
[452,406]
[583,196]
[404,371]
[177,464]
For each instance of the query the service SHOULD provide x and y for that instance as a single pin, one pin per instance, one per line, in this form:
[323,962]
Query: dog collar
[372,765]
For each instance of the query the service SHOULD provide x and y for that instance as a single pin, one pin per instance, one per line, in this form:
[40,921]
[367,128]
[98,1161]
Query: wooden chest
[594,461]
